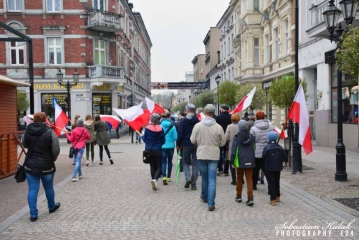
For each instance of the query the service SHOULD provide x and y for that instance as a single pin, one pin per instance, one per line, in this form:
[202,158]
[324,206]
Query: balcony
[99,71]
[104,21]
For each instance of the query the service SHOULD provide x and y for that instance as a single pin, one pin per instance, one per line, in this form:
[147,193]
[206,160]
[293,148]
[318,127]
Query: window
[55,50]
[100,5]
[229,74]
[276,44]
[267,49]
[256,51]
[53,5]
[225,50]
[255,5]
[17,53]
[232,43]
[100,52]
[229,46]
[221,52]
[286,36]
[15,5]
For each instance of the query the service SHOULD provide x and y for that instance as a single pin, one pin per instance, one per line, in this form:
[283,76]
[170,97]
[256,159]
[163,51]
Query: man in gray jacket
[209,137]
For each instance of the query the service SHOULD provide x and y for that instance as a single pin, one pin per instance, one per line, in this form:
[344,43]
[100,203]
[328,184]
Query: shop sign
[105,86]
[83,99]
[55,86]
[120,89]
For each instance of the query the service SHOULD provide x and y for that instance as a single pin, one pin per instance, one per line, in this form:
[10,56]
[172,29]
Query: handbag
[147,156]
[20,174]
[71,151]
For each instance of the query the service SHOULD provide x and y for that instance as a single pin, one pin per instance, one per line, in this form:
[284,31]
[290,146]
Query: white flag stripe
[304,117]
[150,105]
[131,113]
[248,100]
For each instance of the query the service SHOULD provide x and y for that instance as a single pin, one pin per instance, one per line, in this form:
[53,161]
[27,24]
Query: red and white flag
[135,116]
[200,116]
[154,107]
[299,114]
[61,120]
[202,71]
[245,102]
[283,134]
[113,120]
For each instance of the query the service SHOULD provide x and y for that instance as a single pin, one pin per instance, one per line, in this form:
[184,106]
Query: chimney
[131,6]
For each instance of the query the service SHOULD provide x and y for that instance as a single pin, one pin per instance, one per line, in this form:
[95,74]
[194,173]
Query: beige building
[199,67]
[264,44]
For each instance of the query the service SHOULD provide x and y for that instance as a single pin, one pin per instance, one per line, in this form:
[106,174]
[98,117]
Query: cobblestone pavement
[117,202]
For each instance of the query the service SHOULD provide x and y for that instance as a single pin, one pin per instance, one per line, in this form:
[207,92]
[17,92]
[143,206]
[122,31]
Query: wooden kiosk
[9,154]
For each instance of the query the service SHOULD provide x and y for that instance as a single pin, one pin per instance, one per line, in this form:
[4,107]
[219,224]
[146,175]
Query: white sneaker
[74,179]
[154,185]
[87,162]
[81,176]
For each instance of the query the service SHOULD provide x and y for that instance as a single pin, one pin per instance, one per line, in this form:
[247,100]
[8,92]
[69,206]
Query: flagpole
[297,151]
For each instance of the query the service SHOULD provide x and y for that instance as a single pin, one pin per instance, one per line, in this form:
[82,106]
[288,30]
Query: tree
[180,107]
[259,98]
[22,101]
[347,54]
[206,97]
[227,89]
[282,91]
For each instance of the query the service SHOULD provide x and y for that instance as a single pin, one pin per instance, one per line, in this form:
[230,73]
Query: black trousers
[156,165]
[257,168]
[273,179]
[107,151]
[90,146]
[227,166]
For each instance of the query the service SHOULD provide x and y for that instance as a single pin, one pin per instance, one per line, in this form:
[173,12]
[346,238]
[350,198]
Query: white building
[227,55]
[317,66]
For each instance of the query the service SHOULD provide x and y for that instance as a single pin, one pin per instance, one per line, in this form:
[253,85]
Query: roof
[8,81]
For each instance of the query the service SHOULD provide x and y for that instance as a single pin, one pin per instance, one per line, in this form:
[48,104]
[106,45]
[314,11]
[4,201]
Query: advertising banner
[178,85]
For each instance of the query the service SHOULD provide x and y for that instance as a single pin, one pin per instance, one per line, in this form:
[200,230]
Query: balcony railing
[104,21]
[98,71]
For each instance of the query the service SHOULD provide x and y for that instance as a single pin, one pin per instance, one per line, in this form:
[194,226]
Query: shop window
[53,5]
[55,51]
[46,104]
[100,52]
[17,53]
[101,104]
[349,90]
[15,5]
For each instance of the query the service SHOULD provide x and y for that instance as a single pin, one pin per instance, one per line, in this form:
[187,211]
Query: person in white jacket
[208,135]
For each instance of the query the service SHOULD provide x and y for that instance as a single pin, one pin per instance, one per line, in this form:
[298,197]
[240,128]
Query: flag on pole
[113,120]
[61,120]
[200,116]
[245,102]
[299,114]
[135,116]
[154,107]
[202,71]
[282,133]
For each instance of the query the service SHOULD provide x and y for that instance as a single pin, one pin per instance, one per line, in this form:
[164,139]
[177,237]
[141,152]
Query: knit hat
[155,118]
[242,125]
[191,107]
[209,108]
[272,136]
[80,122]
[225,107]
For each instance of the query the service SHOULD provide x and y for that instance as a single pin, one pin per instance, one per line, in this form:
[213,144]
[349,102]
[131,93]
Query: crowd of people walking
[210,147]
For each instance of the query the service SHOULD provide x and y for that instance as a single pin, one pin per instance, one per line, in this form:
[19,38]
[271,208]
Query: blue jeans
[34,186]
[208,170]
[167,155]
[221,159]
[78,157]
[190,157]
[138,138]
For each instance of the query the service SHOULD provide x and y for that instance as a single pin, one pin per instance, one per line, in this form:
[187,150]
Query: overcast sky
[177,29]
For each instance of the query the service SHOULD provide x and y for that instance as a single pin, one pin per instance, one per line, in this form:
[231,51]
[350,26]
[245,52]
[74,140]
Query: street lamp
[331,16]
[218,80]
[68,87]
[189,98]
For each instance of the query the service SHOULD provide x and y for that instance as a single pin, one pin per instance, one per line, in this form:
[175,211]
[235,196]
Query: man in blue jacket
[189,150]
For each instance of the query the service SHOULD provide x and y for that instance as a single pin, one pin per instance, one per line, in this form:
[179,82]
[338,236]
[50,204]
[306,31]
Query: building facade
[318,67]
[227,56]
[103,40]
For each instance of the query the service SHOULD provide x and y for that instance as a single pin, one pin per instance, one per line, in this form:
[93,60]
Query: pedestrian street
[117,202]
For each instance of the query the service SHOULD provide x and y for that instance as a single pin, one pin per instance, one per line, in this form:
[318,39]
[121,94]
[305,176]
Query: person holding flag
[102,138]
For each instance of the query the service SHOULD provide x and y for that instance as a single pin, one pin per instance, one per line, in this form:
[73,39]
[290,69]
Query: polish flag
[283,134]
[202,71]
[154,107]
[200,116]
[245,102]
[113,120]
[299,114]
[61,120]
[135,116]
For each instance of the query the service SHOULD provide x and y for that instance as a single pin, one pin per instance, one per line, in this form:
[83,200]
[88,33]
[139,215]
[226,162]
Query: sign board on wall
[178,85]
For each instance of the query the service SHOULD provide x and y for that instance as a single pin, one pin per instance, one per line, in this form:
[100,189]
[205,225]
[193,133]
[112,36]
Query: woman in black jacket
[43,150]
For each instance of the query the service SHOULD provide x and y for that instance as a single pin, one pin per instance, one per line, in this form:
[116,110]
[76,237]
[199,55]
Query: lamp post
[189,98]
[68,85]
[331,16]
[218,80]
